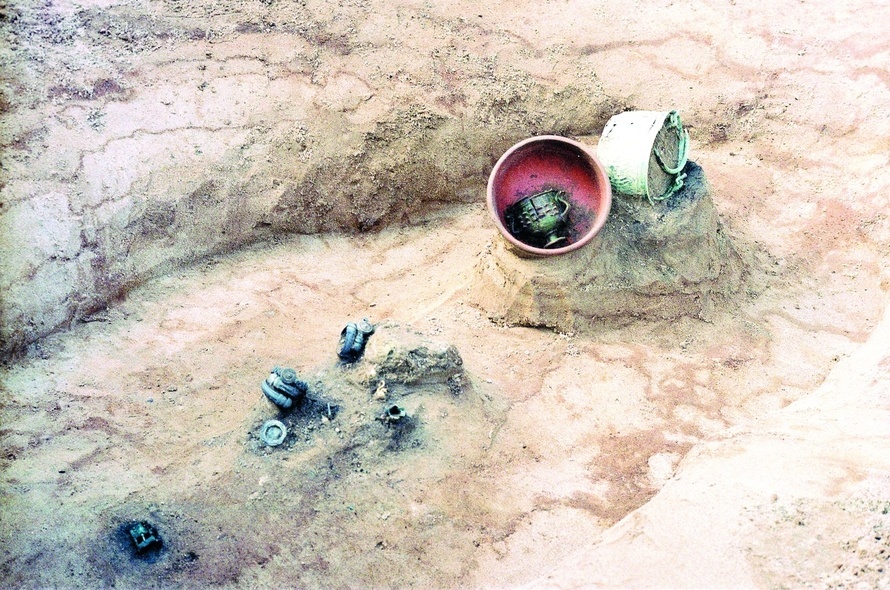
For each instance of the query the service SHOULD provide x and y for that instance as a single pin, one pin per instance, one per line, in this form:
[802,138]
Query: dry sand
[748,450]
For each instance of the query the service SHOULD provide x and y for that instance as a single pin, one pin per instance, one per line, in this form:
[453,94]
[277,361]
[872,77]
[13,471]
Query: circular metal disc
[273,433]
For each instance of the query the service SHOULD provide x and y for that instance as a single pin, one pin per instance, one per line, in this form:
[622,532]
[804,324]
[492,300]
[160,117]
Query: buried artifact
[144,537]
[548,195]
[645,153]
[283,388]
[393,414]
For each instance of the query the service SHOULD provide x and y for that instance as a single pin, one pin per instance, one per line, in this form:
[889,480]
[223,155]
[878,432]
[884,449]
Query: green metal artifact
[393,414]
[283,388]
[144,537]
[353,339]
[273,433]
[645,153]
[539,219]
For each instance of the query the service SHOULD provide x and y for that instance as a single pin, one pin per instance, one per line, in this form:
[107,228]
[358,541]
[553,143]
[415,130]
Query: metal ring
[273,432]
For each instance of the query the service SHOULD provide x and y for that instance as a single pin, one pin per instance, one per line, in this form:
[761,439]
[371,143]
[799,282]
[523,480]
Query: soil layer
[194,193]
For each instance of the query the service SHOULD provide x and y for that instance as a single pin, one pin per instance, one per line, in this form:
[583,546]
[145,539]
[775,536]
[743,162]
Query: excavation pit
[192,194]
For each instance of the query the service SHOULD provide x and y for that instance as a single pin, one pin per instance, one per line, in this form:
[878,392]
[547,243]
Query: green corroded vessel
[645,153]
[539,219]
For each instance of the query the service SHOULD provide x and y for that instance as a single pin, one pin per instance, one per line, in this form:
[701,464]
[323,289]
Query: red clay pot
[550,162]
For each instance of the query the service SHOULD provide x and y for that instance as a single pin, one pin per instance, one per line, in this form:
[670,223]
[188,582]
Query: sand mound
[651,261]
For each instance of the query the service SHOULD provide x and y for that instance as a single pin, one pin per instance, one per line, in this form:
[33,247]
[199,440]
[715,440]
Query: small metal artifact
[539,219]
[283,388]
[393,414]
[353,339]
[273,433]
[144,537]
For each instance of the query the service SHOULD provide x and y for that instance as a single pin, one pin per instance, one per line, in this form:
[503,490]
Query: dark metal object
[539,219]
[353,339]
[144,537]
[393,414]
[273,433]
[283,388]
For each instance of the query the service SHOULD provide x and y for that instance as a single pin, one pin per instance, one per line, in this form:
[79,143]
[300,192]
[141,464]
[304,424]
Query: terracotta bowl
[551,162]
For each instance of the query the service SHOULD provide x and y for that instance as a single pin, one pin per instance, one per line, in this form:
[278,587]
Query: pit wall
[171,141]
[139,137]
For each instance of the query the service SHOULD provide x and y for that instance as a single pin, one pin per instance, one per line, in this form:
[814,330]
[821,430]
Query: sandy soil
[151,411]
[743,451]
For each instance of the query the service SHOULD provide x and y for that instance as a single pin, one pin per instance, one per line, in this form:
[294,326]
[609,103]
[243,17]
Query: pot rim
[602,180]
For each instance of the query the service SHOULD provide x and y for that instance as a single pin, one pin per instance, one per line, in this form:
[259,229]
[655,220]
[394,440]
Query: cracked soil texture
[195,192]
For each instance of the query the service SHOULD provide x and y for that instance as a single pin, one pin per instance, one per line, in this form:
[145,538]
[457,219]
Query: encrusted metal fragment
[393,414]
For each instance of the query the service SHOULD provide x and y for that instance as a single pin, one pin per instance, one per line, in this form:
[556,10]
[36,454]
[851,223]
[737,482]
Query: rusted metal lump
[283,388]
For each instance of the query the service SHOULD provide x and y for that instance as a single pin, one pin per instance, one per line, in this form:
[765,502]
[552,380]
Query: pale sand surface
[749,450]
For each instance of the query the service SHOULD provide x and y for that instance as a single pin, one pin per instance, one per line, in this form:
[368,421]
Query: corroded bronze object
[283,388]
[273,433]
[540,219]
[353,339]
[144,537]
